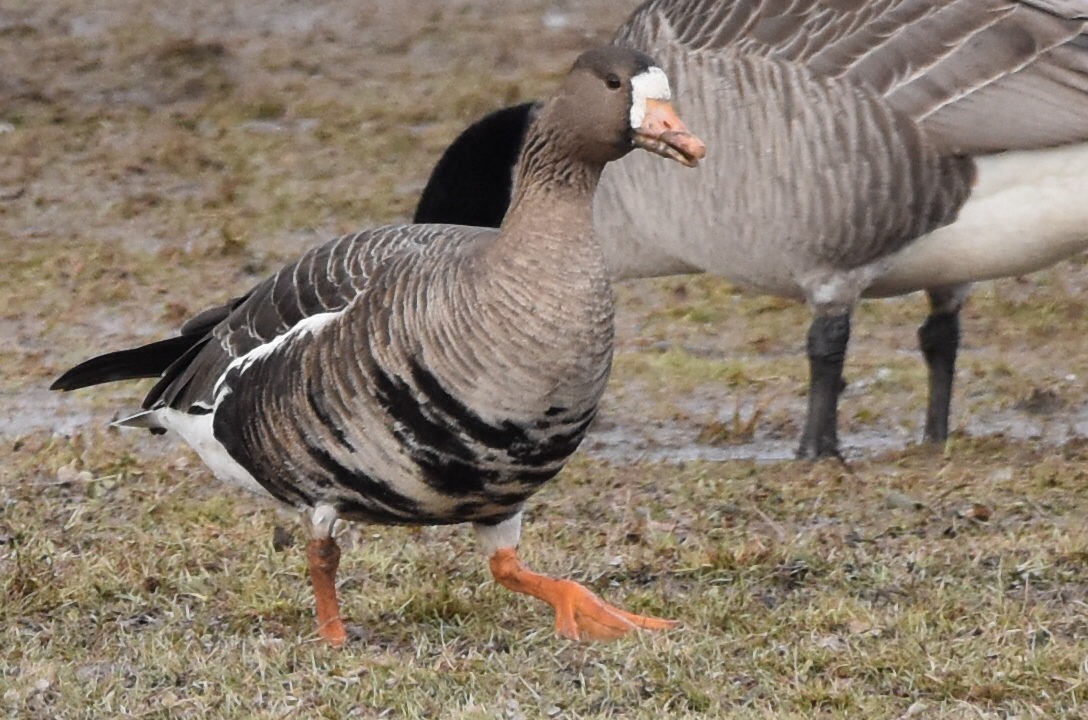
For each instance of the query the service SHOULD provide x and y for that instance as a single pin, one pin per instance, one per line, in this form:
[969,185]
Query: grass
[133,584]
[160,163]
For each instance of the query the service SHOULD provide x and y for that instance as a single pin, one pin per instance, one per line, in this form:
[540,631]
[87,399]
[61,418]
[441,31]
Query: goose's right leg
[939,339]
[828,336]
[579,613]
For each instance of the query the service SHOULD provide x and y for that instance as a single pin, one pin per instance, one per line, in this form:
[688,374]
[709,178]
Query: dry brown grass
[159,158]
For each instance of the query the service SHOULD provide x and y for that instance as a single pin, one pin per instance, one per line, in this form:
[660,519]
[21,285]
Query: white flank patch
[309,324]
[492,538]
[196,431]
[1028,210]
[650,84]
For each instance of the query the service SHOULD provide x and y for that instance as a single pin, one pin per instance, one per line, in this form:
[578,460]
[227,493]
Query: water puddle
[618,436]
[677,443]
[35,410]
[621,436]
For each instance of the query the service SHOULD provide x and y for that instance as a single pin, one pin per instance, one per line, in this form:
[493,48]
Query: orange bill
[663,132]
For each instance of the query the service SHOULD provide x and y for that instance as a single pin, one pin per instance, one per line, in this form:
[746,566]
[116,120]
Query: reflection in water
[618,438]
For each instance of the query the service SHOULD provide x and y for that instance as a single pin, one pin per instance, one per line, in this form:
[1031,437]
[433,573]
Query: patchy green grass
[132,584]
[158,162]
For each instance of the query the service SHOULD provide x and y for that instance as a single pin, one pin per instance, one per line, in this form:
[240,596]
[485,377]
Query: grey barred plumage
[852,127]
[429,374]
[404,409]
[792,197]
[312,428]
[977,75]
[865,149]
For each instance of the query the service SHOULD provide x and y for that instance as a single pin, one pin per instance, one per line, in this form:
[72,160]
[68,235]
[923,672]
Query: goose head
[615,100]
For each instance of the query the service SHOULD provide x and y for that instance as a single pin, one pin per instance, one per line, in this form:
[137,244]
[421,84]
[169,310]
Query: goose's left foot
[579,614]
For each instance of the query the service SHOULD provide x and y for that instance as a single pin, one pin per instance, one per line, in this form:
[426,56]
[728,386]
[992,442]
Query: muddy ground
[157,158]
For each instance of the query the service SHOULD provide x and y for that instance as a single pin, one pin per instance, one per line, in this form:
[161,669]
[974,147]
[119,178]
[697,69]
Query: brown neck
[551,211]
[548,168]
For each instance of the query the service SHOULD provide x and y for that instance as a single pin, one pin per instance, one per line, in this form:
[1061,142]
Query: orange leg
[324,557]
[579,614]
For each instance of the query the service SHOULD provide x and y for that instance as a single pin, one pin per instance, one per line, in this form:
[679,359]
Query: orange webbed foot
[579,613]
[582,615]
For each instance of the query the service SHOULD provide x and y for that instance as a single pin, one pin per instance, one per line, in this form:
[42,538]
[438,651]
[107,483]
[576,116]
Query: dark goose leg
[939,339]
[827,339]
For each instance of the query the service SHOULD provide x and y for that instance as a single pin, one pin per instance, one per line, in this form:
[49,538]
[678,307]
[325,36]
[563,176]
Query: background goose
[426,374]
[866,149]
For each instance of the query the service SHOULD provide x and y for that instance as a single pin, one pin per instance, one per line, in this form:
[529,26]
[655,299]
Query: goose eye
[613,82]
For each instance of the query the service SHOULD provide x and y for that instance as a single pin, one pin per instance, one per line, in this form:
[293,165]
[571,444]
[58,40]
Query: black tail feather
[150,360]
[142,362]
[174,370]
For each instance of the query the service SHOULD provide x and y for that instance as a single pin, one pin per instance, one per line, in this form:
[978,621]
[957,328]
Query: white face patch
[650,84]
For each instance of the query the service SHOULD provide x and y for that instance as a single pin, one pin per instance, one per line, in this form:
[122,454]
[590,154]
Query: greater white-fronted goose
[864,148]
[426,374]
